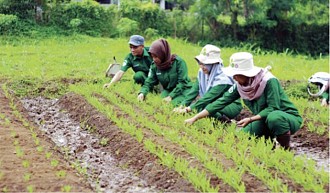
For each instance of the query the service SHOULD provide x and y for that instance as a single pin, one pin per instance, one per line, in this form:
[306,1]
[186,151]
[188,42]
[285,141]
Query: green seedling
[1,175]
[5,189]
[13,134]
[25,163]
[54,163]
[7,122]
[66,188]
[30,188]
[48,154]
[19,152]
[104,141]
[34,135]
[16,142]
[61,174]
[40,148]
[27,177]
[37,141]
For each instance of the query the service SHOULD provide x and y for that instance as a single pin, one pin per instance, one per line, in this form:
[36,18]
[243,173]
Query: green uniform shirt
[210,96]
[138,63]
[174,80]
[325,95]
[273,98]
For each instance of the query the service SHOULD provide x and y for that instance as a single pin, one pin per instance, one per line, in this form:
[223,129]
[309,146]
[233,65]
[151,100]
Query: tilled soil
[24,165]
[122,164]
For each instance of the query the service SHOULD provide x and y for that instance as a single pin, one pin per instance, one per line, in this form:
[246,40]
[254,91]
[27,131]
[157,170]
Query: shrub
[8,23]
[126,26]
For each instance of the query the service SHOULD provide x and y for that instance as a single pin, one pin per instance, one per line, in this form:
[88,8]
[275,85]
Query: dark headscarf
[162,50]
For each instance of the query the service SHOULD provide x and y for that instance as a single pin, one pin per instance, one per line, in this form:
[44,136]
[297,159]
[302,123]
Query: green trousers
[230,111]
[139,77]
[276,123]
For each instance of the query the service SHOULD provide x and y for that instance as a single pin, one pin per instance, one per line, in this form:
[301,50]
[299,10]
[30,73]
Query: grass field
[208,159]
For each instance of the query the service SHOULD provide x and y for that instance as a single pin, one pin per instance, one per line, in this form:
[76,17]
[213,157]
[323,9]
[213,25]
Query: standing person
[210,85]
[274,115]
[139,60]
[170,71]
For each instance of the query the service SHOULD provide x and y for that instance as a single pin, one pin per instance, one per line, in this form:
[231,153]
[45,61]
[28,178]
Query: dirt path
[28,162]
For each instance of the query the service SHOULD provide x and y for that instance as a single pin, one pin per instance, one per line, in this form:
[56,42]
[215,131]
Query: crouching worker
[274,115]
[321,81]
[210,85]
[139,60]
[170,71]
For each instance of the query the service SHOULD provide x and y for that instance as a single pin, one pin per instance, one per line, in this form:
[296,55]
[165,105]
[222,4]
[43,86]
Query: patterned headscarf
[256,85]
[162,50]
[215,77]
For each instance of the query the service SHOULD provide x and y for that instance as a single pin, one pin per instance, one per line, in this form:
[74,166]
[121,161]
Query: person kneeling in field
[170,71]
[322,81]
[211,84]
[274,114]
[139,60]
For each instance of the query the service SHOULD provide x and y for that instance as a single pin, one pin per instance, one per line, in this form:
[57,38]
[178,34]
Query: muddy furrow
[125,148]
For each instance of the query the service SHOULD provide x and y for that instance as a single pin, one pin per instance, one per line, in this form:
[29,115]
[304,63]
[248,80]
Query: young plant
[25,163]
[61,174]
[48,154]
[66,188]
[104,141]
[54,163]
[27,177]
[30,188]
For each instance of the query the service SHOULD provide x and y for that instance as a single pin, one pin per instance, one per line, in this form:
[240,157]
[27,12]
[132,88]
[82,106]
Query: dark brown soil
[43,176]
[129,153]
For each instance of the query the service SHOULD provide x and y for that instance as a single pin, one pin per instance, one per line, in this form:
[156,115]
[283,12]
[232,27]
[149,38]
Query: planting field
[61,131]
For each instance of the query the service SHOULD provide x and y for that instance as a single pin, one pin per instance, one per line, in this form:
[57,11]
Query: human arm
[116,78]
[181,79]
[150,82]
[210,96]
[192,94]
[325,99]
[198,116]
[230,96]
[247,120]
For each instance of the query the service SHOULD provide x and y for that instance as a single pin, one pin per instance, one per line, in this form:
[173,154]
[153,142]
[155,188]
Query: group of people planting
[218,90]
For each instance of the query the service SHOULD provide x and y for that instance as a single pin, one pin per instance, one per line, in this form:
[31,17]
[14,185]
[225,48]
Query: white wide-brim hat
[210,54]
[241,63]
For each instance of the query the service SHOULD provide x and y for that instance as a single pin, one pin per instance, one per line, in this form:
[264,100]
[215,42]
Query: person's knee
[139,77]
[277,123]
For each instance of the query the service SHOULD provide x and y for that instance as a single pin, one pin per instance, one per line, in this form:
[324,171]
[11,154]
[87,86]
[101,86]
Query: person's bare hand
[190,121]
[243,122]
[178,109]
[140,97]
[324,103]
[107,85]
[167,99]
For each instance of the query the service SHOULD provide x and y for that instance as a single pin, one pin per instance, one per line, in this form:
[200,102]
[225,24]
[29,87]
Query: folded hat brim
[230,71]
[203,59]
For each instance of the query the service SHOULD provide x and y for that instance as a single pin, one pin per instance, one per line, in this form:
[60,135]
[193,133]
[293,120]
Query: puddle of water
[321,158]
[103,171]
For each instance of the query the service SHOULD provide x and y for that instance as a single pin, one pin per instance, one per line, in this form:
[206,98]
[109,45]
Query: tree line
[301,26]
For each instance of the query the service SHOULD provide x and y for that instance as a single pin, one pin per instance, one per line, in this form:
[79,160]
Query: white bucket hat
[322,80]
[241,63]
[210,54]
